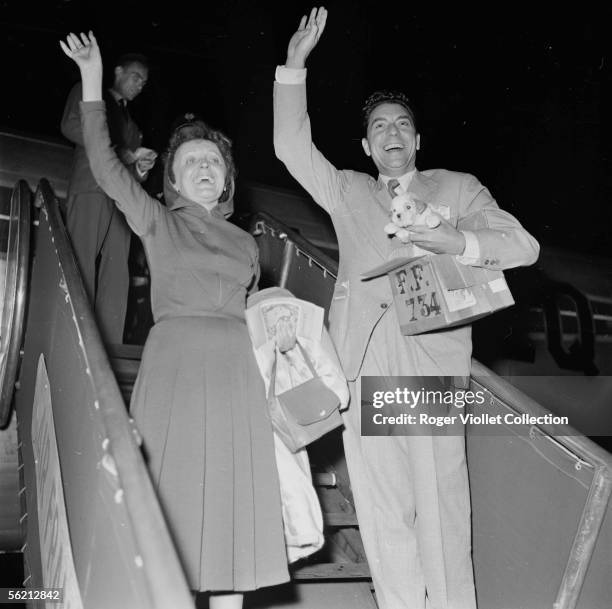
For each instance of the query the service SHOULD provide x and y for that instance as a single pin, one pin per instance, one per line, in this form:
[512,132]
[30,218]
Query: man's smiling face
[392,140]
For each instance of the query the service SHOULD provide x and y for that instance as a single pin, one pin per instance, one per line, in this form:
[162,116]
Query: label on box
[416,287]
[498,285]
[459,299]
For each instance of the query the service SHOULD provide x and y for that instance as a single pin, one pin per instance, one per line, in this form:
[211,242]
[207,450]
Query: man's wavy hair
[127,59]
[387,97]
[192,128]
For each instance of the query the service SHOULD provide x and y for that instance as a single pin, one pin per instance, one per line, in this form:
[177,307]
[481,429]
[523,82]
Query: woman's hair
[196,129]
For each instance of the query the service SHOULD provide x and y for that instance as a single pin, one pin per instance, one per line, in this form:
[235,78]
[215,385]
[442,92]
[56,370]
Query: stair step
[340,519]
[326,479]
[333,570]
[125,362]
[345,545]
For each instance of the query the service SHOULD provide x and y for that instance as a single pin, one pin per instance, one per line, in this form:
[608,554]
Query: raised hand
[306,38]
[145,164]
[84,51]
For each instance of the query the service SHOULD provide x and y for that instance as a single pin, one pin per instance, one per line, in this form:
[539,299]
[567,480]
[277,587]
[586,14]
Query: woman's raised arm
[113,177]
[85,52]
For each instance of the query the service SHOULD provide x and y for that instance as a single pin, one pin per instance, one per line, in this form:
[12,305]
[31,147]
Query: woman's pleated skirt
[200,405]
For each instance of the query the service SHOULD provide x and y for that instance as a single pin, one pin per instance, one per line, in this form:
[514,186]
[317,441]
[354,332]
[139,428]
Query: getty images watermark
[435,405]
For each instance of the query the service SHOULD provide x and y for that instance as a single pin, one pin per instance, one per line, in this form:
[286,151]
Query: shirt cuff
[471,253]
[92,106]
[290,76]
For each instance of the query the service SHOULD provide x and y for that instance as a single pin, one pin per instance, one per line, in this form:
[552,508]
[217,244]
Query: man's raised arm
[292,135]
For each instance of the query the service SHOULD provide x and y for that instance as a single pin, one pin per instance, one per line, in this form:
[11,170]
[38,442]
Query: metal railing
[15,236]
[122,550]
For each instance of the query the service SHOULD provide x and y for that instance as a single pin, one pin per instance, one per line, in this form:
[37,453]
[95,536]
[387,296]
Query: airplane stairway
[90,523]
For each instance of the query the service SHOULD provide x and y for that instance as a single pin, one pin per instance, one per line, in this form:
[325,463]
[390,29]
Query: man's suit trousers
[101,240]
[412,497]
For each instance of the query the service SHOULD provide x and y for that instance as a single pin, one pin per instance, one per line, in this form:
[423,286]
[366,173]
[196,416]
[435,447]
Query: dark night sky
[516,97]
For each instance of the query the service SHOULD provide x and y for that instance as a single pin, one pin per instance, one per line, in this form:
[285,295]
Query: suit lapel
[421,187]
[382,195]
[426,189]
[376,213]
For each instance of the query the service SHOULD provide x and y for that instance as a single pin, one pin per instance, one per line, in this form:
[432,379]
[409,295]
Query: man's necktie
[393,185]
[124,110]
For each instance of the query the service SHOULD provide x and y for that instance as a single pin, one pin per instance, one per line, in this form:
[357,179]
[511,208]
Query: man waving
[411,493]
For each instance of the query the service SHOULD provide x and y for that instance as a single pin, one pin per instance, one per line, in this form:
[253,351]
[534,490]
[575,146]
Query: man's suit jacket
[359,208]
[124,133]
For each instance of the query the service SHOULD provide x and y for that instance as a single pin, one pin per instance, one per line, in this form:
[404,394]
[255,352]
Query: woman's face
[199,171]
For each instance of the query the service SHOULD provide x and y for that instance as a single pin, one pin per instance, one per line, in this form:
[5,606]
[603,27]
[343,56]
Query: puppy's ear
[420,206]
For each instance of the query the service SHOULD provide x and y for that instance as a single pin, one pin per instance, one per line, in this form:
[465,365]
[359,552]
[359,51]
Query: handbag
[303,413]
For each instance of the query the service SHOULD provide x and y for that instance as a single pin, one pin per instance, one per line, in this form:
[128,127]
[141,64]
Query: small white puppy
[406,212]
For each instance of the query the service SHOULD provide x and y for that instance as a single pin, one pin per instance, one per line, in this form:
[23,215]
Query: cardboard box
[436,292]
